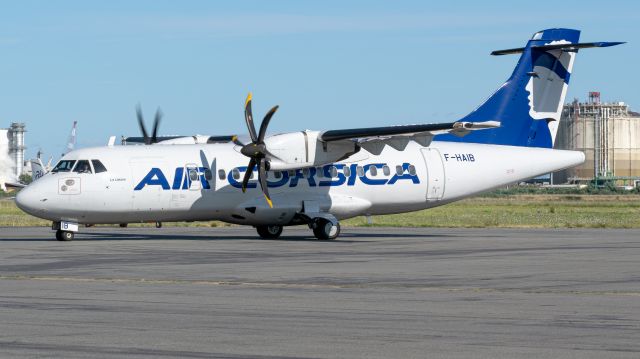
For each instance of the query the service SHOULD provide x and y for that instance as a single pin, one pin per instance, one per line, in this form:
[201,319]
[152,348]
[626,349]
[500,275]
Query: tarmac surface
[374,293]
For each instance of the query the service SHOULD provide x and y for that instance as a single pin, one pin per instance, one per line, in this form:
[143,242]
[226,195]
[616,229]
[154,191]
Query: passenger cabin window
[399,170]
[236,174]
[277,174]
[346,171]
[221,174]
[412,170]
[64,166]
[360,171]
[386,170]
[333,172]
[319,172]
[193,175]
[207,174]
[373,170]
[82,166]
[98,167]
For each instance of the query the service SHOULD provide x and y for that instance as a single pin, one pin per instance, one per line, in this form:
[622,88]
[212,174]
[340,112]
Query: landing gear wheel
[64,236]
[124,225]
[270,232]
[324,229]
[158,224]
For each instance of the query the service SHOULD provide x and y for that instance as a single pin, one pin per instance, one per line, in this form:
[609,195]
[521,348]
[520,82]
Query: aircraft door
[435,174]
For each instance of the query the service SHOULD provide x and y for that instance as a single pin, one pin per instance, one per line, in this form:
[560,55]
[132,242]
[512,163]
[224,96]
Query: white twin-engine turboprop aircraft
[318,178]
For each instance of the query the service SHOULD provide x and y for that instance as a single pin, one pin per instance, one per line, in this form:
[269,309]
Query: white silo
[7,167]
[17,146]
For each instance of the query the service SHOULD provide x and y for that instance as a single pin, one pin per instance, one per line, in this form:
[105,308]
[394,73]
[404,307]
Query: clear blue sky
[328,64]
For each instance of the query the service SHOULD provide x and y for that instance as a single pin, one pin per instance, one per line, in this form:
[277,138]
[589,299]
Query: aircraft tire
[324,229]
[124,225]
[270,231]
[64,236]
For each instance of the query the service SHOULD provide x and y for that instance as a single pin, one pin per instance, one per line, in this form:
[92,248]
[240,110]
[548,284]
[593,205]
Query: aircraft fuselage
[202,182]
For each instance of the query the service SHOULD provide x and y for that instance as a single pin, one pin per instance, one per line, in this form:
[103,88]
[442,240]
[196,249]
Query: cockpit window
[64,166]
[82,166]
[98,166]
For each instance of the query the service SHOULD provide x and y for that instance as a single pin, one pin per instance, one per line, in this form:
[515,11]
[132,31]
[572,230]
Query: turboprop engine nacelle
[303,149]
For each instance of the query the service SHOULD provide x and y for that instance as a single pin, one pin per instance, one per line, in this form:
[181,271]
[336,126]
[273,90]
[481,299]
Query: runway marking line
[309,285]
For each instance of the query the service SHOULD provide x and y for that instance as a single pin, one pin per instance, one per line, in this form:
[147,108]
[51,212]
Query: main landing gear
[325,229]
[270,231]
[322,229]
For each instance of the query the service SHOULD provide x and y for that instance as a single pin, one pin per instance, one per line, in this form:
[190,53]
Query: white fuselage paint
[446,172]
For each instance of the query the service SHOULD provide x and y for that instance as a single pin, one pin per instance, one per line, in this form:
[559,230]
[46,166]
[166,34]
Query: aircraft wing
[185,140]
[373,139]
[460,128]
[14,185]
[140,140]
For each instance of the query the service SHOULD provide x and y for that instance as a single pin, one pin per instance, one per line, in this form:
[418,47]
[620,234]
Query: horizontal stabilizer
[564,47]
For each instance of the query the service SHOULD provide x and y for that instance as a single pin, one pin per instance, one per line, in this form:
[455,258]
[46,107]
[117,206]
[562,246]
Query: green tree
[25,178]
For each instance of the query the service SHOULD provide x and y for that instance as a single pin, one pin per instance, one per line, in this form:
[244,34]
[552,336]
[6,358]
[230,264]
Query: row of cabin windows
[194,176]
[333,172]
[95,166]
[79,166]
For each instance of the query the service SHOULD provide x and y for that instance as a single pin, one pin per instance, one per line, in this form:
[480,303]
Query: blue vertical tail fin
[529,104]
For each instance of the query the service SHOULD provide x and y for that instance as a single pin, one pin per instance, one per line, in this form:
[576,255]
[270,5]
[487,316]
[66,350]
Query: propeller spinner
[256,150]
[156,123]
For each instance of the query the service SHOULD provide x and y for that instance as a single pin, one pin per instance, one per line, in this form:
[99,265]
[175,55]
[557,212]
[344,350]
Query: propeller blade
[248,117]
[247,174]
[265,123]
[156,124]
[145,135]
[262,178]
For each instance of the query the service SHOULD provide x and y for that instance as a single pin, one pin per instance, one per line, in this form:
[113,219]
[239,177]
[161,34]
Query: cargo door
[435,174]
[152,194]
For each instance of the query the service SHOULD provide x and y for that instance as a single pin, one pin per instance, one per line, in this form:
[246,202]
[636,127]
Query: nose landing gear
[65,231]
[64,236]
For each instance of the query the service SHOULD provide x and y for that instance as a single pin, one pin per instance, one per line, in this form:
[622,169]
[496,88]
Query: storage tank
[608,134]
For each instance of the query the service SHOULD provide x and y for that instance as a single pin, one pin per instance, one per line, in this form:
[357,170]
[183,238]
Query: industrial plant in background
[609,136]
[12,152]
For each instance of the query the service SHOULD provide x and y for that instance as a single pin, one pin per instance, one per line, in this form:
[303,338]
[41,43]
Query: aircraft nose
[28,200]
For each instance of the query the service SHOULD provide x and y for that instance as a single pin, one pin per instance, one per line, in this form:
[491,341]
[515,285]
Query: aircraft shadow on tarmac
[122,236]
[192,237]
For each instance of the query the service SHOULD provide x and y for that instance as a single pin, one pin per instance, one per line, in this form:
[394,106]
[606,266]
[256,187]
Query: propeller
[156,123]
[257,150]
